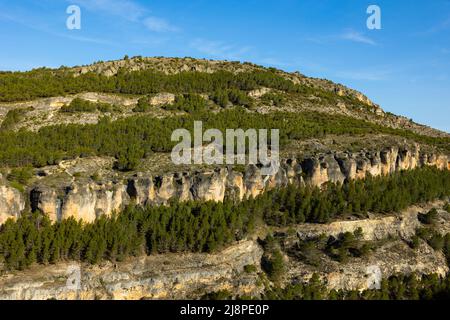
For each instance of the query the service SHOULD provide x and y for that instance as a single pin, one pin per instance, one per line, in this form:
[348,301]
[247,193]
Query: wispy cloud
[273,62]
[443,25]
[318,39]
[355,36]
[366,75]
[159,25]
[150,41]
[83,39]
[125,9]
[128,10]
[36,25]
[219,49]
[347,35]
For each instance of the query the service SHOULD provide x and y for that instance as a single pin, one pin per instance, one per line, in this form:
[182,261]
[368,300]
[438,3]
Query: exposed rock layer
[171,276]
[88,200]
[181,276]
[11,203]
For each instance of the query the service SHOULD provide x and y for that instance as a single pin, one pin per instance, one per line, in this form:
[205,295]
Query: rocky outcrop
[162,99]
[403,225]
[171,276]
[392,258]
[190,275]
[392,255]
[81,201]
[258,93]
[87,200]
[12,203]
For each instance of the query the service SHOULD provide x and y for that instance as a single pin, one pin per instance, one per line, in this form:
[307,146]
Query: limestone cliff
[81,201]
[87,200]
[189,275]
[11,203]
[171,276]
[393,256]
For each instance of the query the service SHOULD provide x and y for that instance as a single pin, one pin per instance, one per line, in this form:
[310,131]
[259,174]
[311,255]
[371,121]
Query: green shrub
[415,242]
[143,105]
[250,268]
[12,118]
[21,175]
[273,265]
[429,218]
[447,207]
[273,98]
[79,105]
[240,98]
[220,97]
[218,295]
[189,103]
[437,242]
[18,186]
[107,108]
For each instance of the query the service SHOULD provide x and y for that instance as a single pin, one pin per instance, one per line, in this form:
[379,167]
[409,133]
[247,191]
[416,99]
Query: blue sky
[405,66]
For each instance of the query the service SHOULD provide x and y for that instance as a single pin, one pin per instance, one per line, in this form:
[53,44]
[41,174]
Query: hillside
[123,82]
[86,179]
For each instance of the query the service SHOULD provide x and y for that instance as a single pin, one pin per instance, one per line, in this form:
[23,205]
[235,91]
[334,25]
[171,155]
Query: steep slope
[87,184]
[301,93]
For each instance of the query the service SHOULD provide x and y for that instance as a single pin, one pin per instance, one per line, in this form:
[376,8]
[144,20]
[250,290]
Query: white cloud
[357,37]
[366,75]
[38,26]
[273,62]
[443,25]
[125,9]
[348,35]
[159,25]
[219,49]
[84,39]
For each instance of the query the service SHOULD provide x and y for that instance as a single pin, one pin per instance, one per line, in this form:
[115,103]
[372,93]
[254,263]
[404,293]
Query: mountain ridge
[317,95]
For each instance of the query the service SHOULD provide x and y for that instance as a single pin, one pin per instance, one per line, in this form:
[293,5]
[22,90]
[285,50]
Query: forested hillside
[196,226]
[134,138]
[86,178]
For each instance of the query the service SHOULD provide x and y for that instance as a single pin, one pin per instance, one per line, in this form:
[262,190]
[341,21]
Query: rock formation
[87,201]
[11,203]
[190,275]
[172,276]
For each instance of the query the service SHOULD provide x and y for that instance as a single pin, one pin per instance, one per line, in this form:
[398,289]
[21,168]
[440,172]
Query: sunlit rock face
[180,276]
[190,275]
[11,203]
[87,201]
[81,201]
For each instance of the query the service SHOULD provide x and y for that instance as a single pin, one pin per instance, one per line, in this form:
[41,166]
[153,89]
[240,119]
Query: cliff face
[403,226]
[81,201]
[11,203]
[88,200]
[189,275]
[170,276]
[392,256]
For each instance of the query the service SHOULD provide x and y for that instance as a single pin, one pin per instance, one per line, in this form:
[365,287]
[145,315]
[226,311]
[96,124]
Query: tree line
[133,138]
[397,287]
[207,226]
[292,205]
[81,105]
[39,83]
